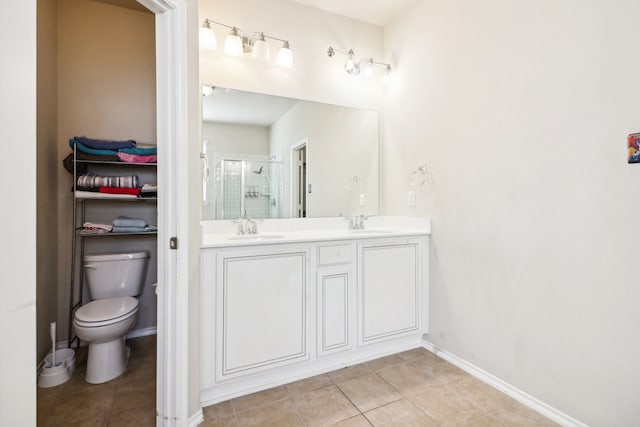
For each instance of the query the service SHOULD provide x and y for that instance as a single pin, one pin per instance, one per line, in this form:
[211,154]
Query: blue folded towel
[81,147]
[125,221]
[128,229]
[104,144]
[140,151]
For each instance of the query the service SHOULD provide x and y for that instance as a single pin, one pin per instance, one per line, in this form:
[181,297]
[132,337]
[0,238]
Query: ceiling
[238,107]
[379,12]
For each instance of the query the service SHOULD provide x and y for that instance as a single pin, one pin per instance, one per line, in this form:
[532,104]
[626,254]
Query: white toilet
[114,279]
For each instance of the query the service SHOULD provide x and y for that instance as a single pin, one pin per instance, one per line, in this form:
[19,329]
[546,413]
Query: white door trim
[172,132]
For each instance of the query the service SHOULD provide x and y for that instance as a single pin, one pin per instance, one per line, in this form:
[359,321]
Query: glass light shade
[208,39]
[207,90]
[387,75]
[233,44]
[368,68]
[260,50]
[284,58]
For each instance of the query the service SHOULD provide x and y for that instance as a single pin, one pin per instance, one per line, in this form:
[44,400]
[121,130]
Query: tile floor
[128,400]
[414,388]
[410,389]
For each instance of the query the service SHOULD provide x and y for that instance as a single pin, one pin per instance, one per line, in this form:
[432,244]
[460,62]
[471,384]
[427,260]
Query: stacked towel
[91,181]
[136,158]
[149,190]
[106,150]
[124,224]
[91,227]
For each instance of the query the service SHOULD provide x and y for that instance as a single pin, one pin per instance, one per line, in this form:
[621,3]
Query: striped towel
[91,180]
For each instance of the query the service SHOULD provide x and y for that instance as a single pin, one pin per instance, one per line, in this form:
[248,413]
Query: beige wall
[521,111]
[47,176]
[106,89]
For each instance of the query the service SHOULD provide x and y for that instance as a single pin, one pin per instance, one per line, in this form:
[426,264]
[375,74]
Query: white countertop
[217,234]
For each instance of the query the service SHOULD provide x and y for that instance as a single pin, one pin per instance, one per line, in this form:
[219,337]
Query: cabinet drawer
[334,254]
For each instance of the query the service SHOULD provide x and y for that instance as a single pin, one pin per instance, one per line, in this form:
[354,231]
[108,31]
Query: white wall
[341,143]
[106,89]
[18,227]
[521,111]
[314,75]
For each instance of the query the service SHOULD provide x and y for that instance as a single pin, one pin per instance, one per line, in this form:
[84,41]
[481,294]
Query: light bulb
[208,39]
[233,44]
[368,67]
[207,90]
[284,58]
[260,49]
[350,66]
[387,74]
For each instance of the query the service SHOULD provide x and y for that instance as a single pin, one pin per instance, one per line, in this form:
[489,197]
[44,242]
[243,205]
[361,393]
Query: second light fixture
[365,66]
[237,44]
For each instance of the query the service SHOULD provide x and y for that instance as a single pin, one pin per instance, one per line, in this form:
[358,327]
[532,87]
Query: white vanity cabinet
[262,308]
[273,313]
[335,293]
[390,289]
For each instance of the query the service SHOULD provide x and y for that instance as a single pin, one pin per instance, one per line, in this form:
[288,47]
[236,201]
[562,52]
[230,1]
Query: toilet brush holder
[65,365]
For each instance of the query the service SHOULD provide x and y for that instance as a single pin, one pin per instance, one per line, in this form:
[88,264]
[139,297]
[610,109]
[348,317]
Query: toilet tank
[111,275]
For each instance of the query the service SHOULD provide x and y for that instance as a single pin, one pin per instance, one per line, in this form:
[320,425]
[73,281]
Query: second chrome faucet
[246,225]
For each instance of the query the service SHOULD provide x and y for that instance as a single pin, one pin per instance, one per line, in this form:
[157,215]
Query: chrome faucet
[357,222]
[246,225]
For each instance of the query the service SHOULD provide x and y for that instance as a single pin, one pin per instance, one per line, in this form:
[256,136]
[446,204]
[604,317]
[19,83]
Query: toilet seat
[106,311]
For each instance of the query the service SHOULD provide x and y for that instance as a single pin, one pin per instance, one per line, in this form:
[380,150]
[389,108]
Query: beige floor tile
[369,391]
[135,417]
[93,421]
[135,395]
[278,414]
[260,398]
[324,407]
[446,409]
[405,378]
[385,362]
[77,383]
[225,421]
[516,414]
[416,353]
[483,421]
[219,410]
[44,413]
[139,370]
[440,370]
[308,384]
[348,373]
[481,395]
[357,421]
[401,413]
[91,403]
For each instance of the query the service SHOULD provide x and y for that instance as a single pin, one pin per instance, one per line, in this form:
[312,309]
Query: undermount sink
[257,237]
[371,231]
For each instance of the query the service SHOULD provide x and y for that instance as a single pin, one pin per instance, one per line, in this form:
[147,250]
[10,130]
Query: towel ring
[419,176]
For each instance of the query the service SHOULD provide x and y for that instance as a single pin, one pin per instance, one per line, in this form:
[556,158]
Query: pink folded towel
[136,158]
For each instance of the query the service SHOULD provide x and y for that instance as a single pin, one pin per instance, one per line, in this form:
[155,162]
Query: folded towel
[81,147]
[141,151]
[149,188]
[104,144]
[90,180]
[96,195]
[136,158]
[125,221]
[96,228]
[120,190]
[128,229]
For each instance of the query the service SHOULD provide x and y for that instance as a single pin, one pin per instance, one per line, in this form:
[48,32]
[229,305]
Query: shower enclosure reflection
[247,188]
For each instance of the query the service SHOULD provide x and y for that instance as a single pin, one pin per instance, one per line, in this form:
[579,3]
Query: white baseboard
[142,332]
[196,418]
[513,392]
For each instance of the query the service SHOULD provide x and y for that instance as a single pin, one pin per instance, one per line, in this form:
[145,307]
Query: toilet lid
[106,309]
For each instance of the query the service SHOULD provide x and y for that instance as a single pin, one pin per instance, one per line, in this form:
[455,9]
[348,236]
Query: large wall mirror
[275,157]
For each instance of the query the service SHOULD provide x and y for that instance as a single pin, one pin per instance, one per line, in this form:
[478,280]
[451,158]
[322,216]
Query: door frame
[293,179]
[173,38]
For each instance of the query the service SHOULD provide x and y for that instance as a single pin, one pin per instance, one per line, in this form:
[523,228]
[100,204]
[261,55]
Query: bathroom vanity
[303,297]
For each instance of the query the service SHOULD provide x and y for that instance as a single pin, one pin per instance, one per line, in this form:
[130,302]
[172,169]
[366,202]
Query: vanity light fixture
[354,66]
[237,44]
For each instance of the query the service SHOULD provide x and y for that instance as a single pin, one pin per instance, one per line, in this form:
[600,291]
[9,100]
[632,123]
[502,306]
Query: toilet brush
[53,344]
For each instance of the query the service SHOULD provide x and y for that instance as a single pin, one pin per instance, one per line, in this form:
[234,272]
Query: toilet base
[106,361]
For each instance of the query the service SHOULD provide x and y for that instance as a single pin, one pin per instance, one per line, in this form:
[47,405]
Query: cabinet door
[334,323]
[389,290]
[262,312]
